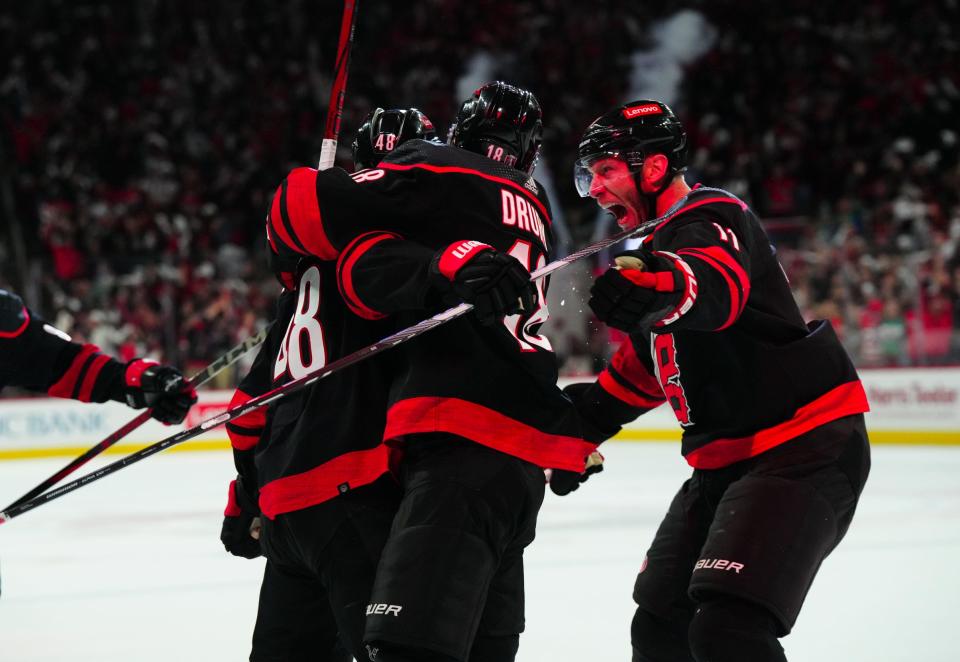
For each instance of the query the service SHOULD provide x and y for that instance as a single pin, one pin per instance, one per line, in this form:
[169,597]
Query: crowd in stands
[140,144]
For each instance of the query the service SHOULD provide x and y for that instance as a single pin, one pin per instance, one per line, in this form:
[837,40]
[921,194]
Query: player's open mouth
[618,211]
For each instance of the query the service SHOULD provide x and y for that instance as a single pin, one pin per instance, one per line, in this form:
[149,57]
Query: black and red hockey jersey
[328,438]
[36,356]
[493,385]
[735,361]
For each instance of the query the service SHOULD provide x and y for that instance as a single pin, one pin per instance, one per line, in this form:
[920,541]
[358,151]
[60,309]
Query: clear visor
[603,169]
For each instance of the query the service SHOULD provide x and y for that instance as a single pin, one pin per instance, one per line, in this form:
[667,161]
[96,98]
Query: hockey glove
[564,482]
[240,533]
[148,384]
[640,291]
[495,283]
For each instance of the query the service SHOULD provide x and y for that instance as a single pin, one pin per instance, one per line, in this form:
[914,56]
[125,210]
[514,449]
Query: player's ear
[655,167]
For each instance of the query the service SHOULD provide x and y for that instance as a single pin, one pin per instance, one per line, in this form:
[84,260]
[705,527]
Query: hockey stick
[331,131]
[196,381]
[301,383]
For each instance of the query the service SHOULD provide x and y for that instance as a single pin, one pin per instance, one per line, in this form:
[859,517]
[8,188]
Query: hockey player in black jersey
[313,472]
[771,407]
[36,356]
[474,406]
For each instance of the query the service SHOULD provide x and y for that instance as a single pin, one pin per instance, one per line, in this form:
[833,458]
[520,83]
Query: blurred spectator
[143,141]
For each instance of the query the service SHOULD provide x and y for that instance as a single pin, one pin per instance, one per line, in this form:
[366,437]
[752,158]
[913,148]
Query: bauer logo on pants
[706,564]
[385,609]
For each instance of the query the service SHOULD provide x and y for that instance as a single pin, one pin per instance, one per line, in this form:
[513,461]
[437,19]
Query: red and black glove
[642,290]
[495,283]
[148,384]
[240,533]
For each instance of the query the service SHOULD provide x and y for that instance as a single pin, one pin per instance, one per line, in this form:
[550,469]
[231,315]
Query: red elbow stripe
[69,384]
[628,365]
[276,229]
[302,213]
[90,378]
[611,385]
[345,265]
[721,261]
[244,431]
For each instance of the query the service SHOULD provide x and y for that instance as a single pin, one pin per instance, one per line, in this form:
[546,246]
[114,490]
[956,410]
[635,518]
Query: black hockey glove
[642,290]
[240,533]
[148,384]
[495,283]
[564,482]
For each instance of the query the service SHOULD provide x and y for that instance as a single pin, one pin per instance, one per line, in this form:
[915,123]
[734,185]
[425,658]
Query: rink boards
[908,406]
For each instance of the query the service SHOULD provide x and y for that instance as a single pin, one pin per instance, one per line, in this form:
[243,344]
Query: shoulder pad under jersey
[13,314]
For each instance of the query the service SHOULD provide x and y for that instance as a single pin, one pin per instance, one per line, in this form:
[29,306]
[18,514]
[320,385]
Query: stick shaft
[331,131]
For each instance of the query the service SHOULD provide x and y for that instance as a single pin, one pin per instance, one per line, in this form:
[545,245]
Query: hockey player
[382,131]
[36,356]
[474,406]
[315,465]
[771,407]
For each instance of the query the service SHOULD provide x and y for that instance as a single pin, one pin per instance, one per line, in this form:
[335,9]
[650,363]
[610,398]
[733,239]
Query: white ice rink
[131,569]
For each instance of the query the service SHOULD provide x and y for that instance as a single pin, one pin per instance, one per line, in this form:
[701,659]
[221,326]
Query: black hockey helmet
[502,122]
[632,132]
[383,131]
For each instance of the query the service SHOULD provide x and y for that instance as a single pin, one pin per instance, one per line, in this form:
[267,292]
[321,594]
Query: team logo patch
[644,109]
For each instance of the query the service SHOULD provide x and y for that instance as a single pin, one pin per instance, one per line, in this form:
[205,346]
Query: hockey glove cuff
[640,292]
[495,283]
[240,533]
[564,482]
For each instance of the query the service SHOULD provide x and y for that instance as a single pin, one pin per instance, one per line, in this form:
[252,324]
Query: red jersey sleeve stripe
[628,365]
[300,210]
[609,383]
[724,263]
[736,306]
[345,264]
[279,223]
[90,378]
[246,436]
[67,385]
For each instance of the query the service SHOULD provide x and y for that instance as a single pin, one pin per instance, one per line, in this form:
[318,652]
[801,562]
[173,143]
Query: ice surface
[131,569]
